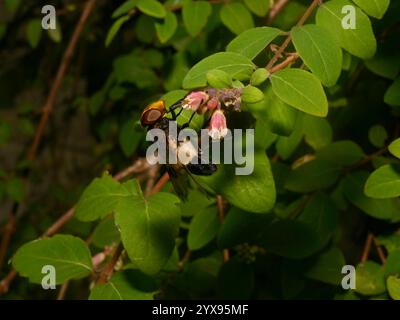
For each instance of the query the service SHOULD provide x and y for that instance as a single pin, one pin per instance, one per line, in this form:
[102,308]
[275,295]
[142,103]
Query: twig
[367,159]
[65,62]
[275,10]
[367,248]
[160,184]
[289,60]
[184,259]
[108,271]
[63,291]
[287,41]
[221,212]
[7,233]
[379,249]
[152,173]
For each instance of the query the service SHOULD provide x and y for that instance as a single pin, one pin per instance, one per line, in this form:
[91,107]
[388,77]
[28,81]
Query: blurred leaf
[392,265]
[361,41]
[344,153]
[258,7]
[152,8]
[392,95]
[203,228]
[236,17]
[393,285]
[384,182]
[374,8]
[195,16]
[328,267]
[370,279]
[55,34]
[394,148]
[69,256]
[130,136]
[252,42]
[124,8]
[166,30]
[377,136]
[115,28]
[121,286]
[5,132]
[15,189]
[12,5]
[318,132]
[34,32]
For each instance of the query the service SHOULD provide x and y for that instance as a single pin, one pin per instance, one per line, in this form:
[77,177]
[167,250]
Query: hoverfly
[155,116]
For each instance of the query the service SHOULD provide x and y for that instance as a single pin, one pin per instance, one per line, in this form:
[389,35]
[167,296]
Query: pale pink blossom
[195,100]
[213,104]
[217,129]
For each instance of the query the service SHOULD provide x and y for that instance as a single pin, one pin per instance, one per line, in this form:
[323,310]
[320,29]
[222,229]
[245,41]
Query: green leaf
[235,280]
[115,28]
[34,32]
[195,16]
[148,227]
[343,153]
[254,192]
[252,42]
[353,188]
[172,97]
[240,227]
[203,228]
[328,267]
[319,51]
[69,255]
[236,17]
[15,189]
[124,8]
[124,285]
[318,132]
[391,242]
[105,233]
[392,265]
[130,136]
[321,216]
[258,7]
[384,182]
[301,90]
[393,286]
[234,64]
[287,145]
[252,94]
[290,239]
[394,148]
[374,8]
[314,175]
[392,95]
[370,279]
[219,79]
[360,41]
[166,30]
[259,76]
[99,198]
[152,8]
[377,136]
[55,34]
[12,5]
[281,118]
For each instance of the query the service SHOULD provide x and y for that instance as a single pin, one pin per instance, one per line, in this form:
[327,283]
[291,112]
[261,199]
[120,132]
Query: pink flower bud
[217,129]
[194,100]
[213,104]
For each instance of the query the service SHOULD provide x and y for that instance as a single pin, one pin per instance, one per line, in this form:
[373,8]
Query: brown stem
[287,41]
[108,271]
[63,291]
[65,62]
[221,212]
[275,10]
[160,184]
[7,233]
[367,247]
[289,60]
[379,249]
[184,259]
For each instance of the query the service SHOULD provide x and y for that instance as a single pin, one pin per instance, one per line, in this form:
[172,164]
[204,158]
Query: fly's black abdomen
[202,169]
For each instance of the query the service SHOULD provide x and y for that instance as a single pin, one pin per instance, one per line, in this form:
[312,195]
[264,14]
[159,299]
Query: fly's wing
[179,181]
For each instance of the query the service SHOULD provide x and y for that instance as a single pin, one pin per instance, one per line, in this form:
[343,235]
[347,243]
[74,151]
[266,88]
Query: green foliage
[323,101]
[69,256]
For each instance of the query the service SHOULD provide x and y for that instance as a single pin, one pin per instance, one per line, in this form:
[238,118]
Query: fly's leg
[187,124]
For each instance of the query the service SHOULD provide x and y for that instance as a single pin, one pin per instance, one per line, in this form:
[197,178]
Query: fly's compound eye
[153,113]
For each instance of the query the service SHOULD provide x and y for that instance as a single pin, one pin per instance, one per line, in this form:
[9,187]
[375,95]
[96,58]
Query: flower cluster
[217,102]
